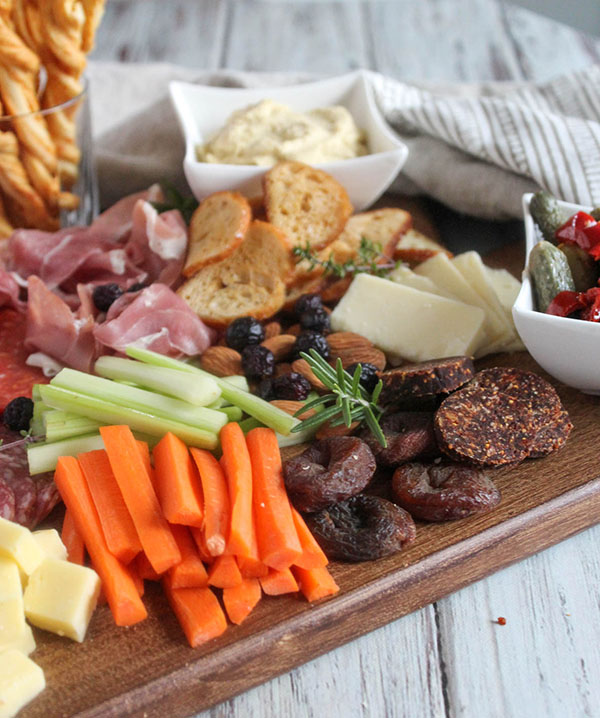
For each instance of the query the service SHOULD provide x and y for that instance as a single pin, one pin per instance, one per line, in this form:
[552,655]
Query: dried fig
[409,434]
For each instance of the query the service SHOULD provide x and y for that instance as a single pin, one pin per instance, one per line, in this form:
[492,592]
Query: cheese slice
[505,285]
[21,680]
[403,274]
[51,544]
[406,322]
[17,543]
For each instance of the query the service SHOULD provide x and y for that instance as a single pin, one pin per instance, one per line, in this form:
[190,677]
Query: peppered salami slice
[551,437]
[409,434]
[425,379]
[7,502]
[47,496]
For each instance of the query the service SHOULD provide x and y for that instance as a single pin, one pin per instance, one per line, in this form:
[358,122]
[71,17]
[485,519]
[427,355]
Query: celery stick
[140,399]
[250,423]
[39,408]
[108,413]
[35,392]
[59,425]
[255,406]
[36,426]
[233,413]
[201,392]
[43,457]
[238,381]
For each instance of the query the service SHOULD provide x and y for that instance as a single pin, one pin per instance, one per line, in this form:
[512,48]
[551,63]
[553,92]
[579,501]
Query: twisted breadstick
[6,227]
[94,10]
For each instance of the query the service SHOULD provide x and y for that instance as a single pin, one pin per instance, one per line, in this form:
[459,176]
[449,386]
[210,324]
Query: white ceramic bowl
[568,349]
[203,110]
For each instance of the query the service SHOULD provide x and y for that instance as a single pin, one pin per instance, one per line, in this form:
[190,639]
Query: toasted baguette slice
[312,285]
[309,205]
[217,229]
[414,248]
[250,282]
[257,205]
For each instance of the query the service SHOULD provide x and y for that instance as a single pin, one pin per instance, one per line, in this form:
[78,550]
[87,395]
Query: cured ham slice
[157,319]
[9,291]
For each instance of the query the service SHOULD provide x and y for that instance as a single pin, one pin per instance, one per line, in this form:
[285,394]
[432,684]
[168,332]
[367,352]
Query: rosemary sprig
[347,401]
[368,260]
[173,199]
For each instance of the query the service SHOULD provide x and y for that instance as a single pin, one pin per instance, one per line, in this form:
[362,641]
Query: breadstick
[94,9]
[6,228]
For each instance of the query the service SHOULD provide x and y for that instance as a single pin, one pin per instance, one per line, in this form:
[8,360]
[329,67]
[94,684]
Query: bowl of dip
[566,348]
[233,135]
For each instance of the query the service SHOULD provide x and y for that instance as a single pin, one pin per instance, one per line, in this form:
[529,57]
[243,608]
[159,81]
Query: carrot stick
[136,486]
[251,567]
[278,542]
[240,600]
[190,573]
[177,482]
[224,573]
[315,583]
[137,579]
[144,450]
[199,538]
[278,582]
[119,531]
[238,470]
[312,554]
[198,611]
[144,569]
[216,501]
[72,540]
[121,593]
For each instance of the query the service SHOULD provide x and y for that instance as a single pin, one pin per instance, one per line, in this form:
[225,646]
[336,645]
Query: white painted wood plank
[546,660]
[307,37]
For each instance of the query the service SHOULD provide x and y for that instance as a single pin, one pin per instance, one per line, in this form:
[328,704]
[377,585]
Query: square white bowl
[203,110]
[568,349]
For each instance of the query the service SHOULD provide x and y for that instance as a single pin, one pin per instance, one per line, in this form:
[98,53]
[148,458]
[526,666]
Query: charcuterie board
[148,670]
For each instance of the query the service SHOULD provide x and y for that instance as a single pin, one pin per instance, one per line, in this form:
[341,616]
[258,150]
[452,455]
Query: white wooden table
[452,658]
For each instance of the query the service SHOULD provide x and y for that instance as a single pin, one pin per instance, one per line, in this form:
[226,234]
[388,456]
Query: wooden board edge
[263,656]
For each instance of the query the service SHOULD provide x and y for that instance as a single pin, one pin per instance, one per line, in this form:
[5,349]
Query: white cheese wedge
[505,286]
[51,544]
[61,597]
[405,275]
[406,322]
[21,680]
[17,543]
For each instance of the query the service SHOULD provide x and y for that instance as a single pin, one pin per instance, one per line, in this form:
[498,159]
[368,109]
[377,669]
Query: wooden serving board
[149,671]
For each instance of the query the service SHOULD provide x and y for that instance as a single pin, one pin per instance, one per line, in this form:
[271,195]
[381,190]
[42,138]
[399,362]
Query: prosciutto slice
[155,318]
[9,291]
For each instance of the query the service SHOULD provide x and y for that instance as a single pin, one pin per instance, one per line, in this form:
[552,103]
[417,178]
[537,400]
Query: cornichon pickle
[584,268]
[596,214]
[546,214]
[550,273]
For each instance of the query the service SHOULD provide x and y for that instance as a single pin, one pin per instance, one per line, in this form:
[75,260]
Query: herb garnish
[367,261]
[348,401]
[173,199]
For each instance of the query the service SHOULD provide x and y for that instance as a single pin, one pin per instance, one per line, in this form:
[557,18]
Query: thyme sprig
[368,260]
[347,401]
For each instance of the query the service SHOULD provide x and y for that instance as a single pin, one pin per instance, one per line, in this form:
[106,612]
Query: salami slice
[425,379]
[47,497]
[7,502]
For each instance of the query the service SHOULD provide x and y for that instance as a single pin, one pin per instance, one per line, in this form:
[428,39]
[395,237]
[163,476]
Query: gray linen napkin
[476,148]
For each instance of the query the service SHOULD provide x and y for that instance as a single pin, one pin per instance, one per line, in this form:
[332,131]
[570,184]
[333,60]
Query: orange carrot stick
[119,531]
[72,540]
[136,487]
[278,582]
[137,579]
[216,501]
[177,482]
[144,450]
[121,593]
[312,554]
[199,538]
[315,583]
[251,567]
[278,542]
[198,611]
[190,573]
[240,600]
[224,573]
[144,569]
[238,470]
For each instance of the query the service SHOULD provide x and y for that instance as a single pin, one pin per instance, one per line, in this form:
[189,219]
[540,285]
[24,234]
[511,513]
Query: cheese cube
[61,597]
[21,680]
[14,632]
[406,322]
[51,544]
[24,642]
[10,583]
[16,542]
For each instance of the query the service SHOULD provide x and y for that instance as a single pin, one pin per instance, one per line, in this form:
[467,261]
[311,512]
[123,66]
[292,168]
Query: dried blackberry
[306,303]
[257,361]
[265,389]
[291,386]
[243,332]
[136,287]
[105,294]
[311,340]
[315,319]
[369,375]
[18,413]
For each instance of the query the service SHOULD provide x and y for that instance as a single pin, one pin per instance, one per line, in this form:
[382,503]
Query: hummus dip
[269,132]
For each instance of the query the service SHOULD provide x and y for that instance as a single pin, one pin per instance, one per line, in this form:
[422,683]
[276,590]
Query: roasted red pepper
[592,312]
[566,303]
[581,229]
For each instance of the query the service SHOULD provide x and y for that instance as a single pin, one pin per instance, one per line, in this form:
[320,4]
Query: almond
[326,430]
[294,330]
[221,361]
[272,329]
[281,345]
[302,367]
[291,407]
[353,348]
[282,368]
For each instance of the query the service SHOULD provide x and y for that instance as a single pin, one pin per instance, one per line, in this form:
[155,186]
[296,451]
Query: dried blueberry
[265,389]
[243,332]
[105,294]
[369,375]
[257,361]
[18,413]
[315,319]
[306,303]
[311,340]
[291,386]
